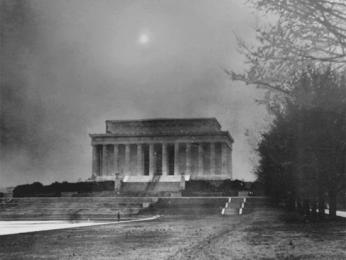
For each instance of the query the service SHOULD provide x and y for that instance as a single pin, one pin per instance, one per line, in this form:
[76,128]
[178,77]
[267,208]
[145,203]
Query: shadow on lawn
[291,225]
[285,235]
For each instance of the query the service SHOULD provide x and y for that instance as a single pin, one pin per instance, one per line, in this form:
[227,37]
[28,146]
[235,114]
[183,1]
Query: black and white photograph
[172,129]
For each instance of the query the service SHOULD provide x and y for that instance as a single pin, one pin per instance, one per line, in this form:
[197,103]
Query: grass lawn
[264,234]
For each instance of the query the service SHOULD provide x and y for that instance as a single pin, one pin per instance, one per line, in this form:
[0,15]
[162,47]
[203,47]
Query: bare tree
[305,32]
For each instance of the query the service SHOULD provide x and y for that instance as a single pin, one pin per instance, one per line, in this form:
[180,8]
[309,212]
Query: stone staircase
[243,205]
[187,206]
[151,185]
[72,208]
[107,208]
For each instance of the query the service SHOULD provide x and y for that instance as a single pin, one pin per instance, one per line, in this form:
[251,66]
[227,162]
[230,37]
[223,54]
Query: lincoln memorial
[165,149]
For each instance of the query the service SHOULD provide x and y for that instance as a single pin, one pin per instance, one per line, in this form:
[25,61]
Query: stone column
[212,159]
[151,160]
[95,161]
[140,169]
[176,158]
[229,159]
[115,159]
[200,159]
[104,160]
[164,159]
[127,159]
[224,166]
[188,158]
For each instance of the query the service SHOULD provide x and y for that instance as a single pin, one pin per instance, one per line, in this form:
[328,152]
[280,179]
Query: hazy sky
[69,65]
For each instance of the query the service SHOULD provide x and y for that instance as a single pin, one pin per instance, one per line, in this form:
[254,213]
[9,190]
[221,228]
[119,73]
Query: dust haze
[67,66]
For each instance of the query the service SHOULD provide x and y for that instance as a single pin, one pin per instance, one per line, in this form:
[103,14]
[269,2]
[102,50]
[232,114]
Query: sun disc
[143,38]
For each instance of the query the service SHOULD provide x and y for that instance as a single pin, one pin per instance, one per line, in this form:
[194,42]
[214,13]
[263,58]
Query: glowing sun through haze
[143,39]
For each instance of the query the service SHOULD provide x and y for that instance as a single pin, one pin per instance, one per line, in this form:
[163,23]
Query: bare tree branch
[307,32]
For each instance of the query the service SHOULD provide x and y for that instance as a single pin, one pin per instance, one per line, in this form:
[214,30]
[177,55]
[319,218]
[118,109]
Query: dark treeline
[55,189]
[303,155]
[226,187]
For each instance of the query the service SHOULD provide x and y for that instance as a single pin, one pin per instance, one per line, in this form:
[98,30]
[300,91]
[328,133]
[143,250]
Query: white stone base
[105,178]
[160,178]
[218,177]
[165,178]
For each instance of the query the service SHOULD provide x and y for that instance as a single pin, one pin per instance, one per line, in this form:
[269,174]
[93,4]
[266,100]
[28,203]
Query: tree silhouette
[303,154]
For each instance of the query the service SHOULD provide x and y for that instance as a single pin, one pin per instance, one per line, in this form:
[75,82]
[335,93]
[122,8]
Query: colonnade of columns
[106,159]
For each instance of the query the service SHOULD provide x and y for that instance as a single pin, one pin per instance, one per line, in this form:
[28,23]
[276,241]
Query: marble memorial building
[165,149]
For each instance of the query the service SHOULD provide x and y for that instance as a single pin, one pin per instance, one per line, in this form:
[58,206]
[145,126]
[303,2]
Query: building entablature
[222,136]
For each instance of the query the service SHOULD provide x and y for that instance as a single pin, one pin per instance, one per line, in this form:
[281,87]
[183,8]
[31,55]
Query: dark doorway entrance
[158,157]
[146,159]
[170,158]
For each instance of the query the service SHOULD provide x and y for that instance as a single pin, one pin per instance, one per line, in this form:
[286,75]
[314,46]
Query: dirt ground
[264,234]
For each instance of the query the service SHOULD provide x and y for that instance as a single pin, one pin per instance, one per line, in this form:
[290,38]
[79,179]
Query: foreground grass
[264,234]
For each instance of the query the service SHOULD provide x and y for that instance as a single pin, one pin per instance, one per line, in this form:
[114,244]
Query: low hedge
[55,189]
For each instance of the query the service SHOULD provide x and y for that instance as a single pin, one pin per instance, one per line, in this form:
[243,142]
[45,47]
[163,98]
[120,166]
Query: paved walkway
[17,227]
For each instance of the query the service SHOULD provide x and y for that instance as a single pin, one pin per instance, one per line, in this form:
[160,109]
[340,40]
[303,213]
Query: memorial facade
[162,149]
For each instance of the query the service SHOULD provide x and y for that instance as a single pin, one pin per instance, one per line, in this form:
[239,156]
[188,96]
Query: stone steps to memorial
[188,211]
[79,211]
[231,211]
[95,217]
[75,208]
[72,208]
[187,206]
[69,210]
[235,205]
[65,217]
[82,199]
[193,200]
[243,205]
[68,205]
[88,214]
[38,203]
[93,208]
[201,194]
[248,203]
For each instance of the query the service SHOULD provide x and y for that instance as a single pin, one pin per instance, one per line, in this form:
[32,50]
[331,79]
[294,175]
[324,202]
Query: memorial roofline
[163,126]
[212,120]
[167,119]
[220,133]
